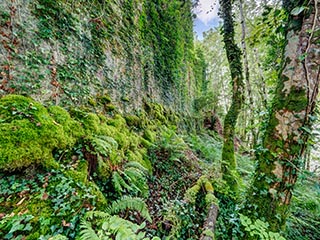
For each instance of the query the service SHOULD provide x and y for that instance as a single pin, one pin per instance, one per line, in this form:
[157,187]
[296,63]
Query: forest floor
[123,177]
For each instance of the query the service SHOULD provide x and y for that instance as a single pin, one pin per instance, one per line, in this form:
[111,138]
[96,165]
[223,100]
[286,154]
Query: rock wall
[66,52]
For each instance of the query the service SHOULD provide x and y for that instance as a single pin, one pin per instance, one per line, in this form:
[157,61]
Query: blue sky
[207,16]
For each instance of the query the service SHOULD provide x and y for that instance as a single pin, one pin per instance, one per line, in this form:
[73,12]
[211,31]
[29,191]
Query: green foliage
[44,204]
[185,220]
[100,225]
[103,145]
[78,49]
[125,203]
[34,133]
[303,221]
[132,179]
[16,226]
[259,228]
[203,184]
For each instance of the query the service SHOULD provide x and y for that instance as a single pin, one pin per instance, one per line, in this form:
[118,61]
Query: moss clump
[109,107]
[80,174]
[203,183]
[132,120]
[117,121]
[92,102]
[156,111]
[104,99]
[29,134]
[149,135]
[71,127]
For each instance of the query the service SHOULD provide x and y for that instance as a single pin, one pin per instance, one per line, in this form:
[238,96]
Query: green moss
[71,127]
[132,120]
[104,171]
[117,121]
[109,107]
[191,193]
[204,184]
[149,135]
[104,99]
[92,102]
[145,143]
[102,202]
[156,111]
[29,134]
[125,99]
[80,174]
[211,199]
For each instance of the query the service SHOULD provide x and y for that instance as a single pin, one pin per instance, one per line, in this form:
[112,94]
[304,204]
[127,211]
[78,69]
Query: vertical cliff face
[68,51]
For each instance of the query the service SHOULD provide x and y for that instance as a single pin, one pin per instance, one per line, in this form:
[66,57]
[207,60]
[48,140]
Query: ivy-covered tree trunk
[228,166]
[286,133]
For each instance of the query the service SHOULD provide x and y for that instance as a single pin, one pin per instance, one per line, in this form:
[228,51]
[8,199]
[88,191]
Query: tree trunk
[228,166]
[284,142]
[250,108]
[210,222]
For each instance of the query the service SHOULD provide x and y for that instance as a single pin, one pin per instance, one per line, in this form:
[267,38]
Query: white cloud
[207,10]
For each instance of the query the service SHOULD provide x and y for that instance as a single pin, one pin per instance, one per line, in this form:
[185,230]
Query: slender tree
[233,53]
[285,136]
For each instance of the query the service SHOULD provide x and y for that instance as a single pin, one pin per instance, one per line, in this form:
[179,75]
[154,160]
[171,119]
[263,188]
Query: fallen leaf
[65,224]
[21,201]
[45,196]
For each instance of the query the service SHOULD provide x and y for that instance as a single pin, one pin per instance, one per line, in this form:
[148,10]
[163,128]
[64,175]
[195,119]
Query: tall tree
[233,52]
[248,113]
[285,135]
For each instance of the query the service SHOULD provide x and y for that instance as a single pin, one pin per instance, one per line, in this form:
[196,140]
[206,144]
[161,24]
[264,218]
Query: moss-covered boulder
[29,132]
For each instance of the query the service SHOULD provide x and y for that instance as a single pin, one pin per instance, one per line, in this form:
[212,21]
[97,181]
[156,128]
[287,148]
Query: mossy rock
[109,107]
[117,121]
[71,127]
[132,120]
[104,99]
[29,133]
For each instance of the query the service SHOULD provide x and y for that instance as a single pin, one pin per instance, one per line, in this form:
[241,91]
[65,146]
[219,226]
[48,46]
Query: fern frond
[137,180]
[87,233]
[132,203]
[137,165]
[119,183]
[103,145]
[96,214]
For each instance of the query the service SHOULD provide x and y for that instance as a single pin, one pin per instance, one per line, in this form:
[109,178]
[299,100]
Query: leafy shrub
[259,228]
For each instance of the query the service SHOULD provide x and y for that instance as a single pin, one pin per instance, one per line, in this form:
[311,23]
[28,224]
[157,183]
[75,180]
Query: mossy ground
[56,166]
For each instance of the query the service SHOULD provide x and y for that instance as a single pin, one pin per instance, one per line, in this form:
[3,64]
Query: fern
[138,166]
[87,233]
[103,145]
[137,181]
[131,203]
[131,180]
[119,183]
[97,214]
[109,227]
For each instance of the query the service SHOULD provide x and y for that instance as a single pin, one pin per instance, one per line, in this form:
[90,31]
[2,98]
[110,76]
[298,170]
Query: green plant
[129,203]
[259,229]
[304,219]
[29,133]
[16,226]
[132,179]
[182,220]
[99,225]
[103,145]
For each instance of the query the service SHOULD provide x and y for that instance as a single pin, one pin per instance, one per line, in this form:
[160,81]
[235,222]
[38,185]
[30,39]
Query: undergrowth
[132,177]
